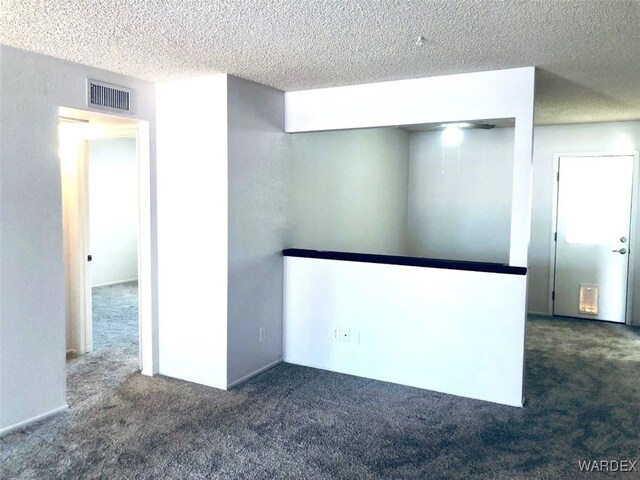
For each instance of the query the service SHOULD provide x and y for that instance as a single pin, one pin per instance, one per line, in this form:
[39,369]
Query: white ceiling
[587,51]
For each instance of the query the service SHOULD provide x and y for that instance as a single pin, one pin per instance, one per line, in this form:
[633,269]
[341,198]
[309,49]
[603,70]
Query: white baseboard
[253,374]
[540,314]
[30,421]
[115,283]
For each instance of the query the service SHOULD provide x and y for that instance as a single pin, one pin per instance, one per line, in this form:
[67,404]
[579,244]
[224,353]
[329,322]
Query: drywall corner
[192,229]
[258,170]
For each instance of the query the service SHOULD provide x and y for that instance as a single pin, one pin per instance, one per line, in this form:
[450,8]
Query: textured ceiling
[588,51]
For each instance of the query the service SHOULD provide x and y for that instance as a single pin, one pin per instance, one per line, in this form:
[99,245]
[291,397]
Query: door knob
[622,251]
[623,239]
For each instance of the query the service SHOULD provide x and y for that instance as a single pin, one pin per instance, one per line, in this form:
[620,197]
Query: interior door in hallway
[592,239]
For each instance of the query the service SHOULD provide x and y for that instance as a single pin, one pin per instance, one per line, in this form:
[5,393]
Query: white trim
[147,316]
[30,421]
[540,314]
[554,228]
[115,283]
[634,241]
[83,249]
[632,225]
[253,374]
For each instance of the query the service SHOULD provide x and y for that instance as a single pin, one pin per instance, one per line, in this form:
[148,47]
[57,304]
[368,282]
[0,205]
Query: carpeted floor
[115,317]
[115,345]
[583,403]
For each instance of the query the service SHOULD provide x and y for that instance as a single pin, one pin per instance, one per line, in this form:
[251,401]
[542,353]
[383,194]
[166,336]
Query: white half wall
[113,209]
[192,229]
[349,190]
[258,186]
[32,302]
[438,329]
[460,199]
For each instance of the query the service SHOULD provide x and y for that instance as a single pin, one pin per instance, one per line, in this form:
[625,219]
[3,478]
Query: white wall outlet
[345,335]
[262,334]
[335,334]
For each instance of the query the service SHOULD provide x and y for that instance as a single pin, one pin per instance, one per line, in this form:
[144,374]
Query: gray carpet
[583,402]
[115,345]
[115,316]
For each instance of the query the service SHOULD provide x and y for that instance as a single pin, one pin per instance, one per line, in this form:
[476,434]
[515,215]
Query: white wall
[409,325]
[349,190]
[496,94]
[222,190]
[258,172]
[549,141]
[32,308]
[113,210]
[472,96]
[192,229]
[460,208]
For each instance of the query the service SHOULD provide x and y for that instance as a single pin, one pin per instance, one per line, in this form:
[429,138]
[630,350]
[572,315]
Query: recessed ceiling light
[452,135]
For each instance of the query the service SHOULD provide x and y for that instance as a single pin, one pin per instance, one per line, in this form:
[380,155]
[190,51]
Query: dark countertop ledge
[408,261]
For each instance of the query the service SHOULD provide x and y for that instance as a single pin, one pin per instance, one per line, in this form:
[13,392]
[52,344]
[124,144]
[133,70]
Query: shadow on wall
[560,98]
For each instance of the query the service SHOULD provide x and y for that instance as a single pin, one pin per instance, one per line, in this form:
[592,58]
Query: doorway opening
[594,231]
[112,167]
[104,171]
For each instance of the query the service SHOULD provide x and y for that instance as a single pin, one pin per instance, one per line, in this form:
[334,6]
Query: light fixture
[452,135]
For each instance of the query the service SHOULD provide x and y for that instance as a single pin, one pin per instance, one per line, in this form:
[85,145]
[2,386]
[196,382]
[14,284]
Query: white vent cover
[105,96]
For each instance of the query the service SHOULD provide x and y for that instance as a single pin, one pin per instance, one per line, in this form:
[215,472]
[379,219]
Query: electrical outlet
[262,334]
[345,335]
[335,334]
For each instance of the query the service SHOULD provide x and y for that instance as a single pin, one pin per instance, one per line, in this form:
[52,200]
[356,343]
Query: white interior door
[73,156]
[84,248]
[592,239]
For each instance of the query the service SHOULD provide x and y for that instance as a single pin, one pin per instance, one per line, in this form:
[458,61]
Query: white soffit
[587,50]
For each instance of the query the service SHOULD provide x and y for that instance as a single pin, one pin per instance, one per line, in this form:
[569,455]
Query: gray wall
[459,207]
[32,310]
[258,179]
[349,190]
[549,141]
[113,210]
[480,192]
[430,206]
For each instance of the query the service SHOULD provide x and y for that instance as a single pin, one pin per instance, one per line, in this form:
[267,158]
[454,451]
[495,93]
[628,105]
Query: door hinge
[558,176]
[555,237]
[553,295]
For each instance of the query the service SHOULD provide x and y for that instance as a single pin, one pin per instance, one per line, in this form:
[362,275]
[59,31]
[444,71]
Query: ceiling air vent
[105,96]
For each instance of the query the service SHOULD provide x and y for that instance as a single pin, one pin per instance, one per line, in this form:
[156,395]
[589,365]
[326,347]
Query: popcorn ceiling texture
[588,51]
